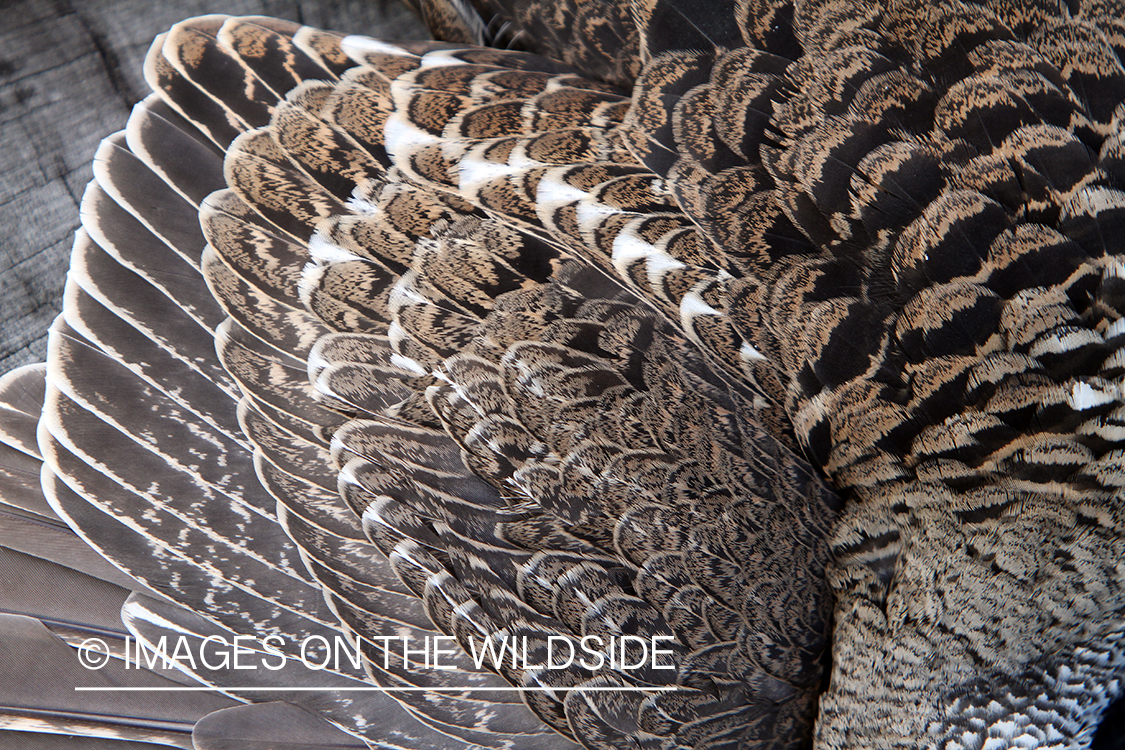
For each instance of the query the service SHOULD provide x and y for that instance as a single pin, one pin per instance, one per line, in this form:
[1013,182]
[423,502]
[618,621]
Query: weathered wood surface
[69,74]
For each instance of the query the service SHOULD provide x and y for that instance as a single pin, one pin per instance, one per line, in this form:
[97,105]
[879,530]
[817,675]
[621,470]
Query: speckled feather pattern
[788,333]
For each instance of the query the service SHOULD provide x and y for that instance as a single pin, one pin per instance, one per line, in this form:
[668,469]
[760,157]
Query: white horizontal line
[185,689]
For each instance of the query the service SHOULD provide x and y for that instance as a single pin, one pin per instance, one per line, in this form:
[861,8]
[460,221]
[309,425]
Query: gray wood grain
[69,74]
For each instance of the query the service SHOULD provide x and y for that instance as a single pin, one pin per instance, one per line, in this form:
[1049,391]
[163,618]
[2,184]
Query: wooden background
[70,71]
